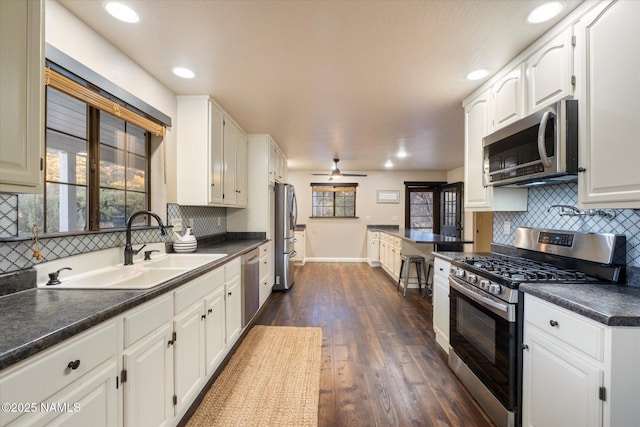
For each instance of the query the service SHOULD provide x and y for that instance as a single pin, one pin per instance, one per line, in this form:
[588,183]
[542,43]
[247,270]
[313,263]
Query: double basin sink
[98,271]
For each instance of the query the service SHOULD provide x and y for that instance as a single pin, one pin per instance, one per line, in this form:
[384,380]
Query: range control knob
[472,278]
[460,273]
[484,284]
[495,289]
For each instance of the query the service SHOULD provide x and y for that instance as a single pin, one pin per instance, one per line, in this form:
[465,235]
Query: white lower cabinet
[148,388]
[143,368]
[441,302]
[577,372]
[266,271]
[233,302]
[214,330]
[191,304]
[189,354]
[73,383]
[390,254]
[373,248]
[300,246]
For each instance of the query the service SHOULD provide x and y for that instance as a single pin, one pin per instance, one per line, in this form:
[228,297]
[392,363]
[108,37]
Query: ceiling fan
[335,172]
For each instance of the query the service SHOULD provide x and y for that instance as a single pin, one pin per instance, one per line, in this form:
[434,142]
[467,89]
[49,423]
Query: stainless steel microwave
[541,148]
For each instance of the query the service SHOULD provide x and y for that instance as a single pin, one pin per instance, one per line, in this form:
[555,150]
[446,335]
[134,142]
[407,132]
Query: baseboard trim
[335,260]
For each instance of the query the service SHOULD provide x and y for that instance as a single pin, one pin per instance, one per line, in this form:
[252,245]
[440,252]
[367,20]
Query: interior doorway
[483,227]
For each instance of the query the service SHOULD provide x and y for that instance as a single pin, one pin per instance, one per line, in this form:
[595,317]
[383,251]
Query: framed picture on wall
[388,196]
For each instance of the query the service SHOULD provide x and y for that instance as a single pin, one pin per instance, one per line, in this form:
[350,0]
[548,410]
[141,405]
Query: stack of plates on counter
[183,247]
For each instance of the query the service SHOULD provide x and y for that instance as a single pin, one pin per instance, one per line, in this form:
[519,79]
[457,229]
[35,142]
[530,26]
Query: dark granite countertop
[36,319]
[419,236]
[611,305]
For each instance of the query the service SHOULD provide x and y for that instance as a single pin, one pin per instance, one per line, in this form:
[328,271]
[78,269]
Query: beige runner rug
[273,379]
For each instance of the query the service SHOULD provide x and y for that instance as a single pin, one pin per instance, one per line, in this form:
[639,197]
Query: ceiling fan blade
[353,174]
[321,174]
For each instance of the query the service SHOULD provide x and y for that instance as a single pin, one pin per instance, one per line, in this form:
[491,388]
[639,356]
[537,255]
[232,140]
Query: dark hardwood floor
[381,365]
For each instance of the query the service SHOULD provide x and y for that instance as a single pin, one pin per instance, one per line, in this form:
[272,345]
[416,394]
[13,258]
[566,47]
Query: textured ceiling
[352,79]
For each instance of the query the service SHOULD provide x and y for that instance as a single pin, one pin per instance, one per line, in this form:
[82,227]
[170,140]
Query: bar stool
[428,289]
[405,271]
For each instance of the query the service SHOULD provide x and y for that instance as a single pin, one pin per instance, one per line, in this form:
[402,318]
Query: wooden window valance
[96,100]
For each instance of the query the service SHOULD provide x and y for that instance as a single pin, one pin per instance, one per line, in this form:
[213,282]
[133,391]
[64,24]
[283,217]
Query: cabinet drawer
[396,241]
[441,266]
[139,322]
[37,378]
[384,237]
[232,269]
[264,249]
[573,329]
[197,289]
[375,234]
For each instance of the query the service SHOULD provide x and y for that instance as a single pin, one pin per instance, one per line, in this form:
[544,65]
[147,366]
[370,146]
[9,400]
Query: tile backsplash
[16,254]
[627,221]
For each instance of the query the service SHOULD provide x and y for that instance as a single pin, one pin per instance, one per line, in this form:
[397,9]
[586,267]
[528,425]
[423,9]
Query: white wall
[331,239]
[70,35]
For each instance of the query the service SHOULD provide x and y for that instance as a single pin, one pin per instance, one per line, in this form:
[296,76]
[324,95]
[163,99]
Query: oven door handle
[506,311]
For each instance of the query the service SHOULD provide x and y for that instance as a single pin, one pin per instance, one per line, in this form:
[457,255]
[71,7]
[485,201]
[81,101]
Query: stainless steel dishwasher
[250,285]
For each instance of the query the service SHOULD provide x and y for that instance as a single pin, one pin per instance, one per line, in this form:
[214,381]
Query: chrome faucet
[573,211]
[129,252]
[566,210]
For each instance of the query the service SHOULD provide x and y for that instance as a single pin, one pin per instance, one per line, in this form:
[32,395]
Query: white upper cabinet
[476,196]
[508,98]
[476,126]
[277,164]
[22,100]
[549,72]
[212,155]
[608,83]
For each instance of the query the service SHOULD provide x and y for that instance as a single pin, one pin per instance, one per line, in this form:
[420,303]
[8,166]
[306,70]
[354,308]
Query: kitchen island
[393,242]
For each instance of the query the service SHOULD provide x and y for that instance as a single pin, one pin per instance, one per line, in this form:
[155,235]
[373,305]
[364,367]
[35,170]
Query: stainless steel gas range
[486,307]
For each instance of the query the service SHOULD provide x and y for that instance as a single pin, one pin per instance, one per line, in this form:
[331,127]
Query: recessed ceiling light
[185,73]
[389,164]
[401,153]
[477,75]
[545,12]
[122,12]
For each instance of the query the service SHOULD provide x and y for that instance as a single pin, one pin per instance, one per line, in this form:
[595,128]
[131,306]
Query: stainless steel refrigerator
[286,214]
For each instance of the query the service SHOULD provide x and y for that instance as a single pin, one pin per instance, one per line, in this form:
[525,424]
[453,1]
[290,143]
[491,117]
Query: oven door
[483,334]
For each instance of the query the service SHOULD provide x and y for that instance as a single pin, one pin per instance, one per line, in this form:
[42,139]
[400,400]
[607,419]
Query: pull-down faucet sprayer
[129,252]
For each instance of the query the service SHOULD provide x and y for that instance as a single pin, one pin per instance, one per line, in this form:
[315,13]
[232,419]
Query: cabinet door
[441,302]
[283,169]
[508,99]
[476,119]
[22,100]
[148,390]
[549,72]
[214,330]
[241,169]
[559,387]
[230,136]
[233,310]
[188,354]
[274,162]
[216,160]
[90,401]
[608,42]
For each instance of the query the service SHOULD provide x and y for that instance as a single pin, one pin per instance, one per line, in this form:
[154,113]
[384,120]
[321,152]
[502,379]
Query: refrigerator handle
[294,213]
